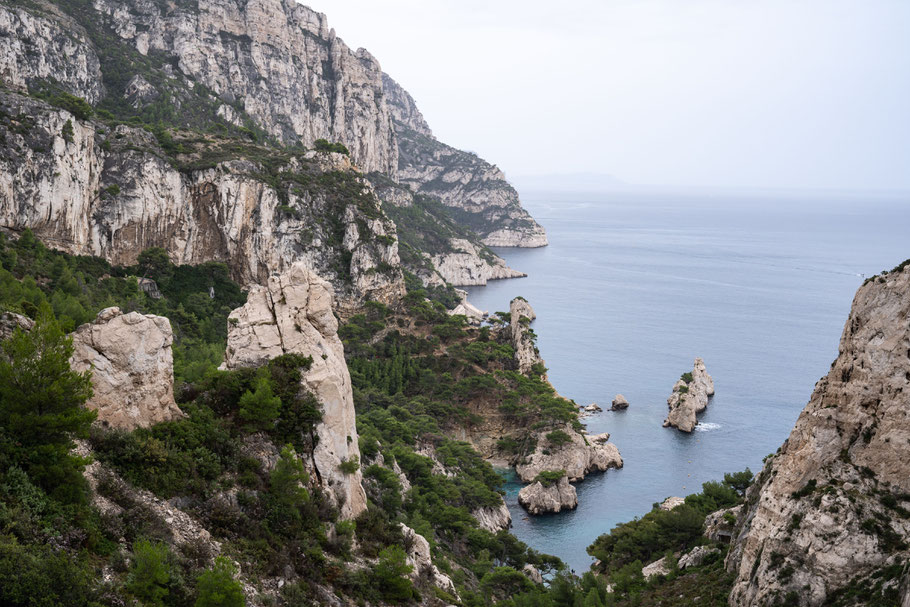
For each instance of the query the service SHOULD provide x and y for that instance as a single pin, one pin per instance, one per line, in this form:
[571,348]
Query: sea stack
[689,397]
[619,403]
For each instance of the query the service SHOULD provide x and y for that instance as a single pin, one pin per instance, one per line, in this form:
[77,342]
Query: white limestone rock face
[420,559]
[846,459]
[132,367]
[521,314]
[293,314]
[579,457]
[460,180]
[280,59]
[493,518]
[689,398]
[36,47]
[466,265]
[223,213]
[539,499]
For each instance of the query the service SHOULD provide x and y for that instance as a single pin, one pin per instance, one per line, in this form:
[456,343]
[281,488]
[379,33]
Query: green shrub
[260,408]
[390,575]
[67,131]
[150,572]
[548,478]
[323,145]
[558,438]
[686,377]
[349,466]
[216,587]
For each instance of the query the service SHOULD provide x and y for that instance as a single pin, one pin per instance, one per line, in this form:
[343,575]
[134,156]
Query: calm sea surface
[633,287]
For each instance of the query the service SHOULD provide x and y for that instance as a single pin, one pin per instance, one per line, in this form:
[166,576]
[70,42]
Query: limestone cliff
[476,192]
[293,314]
[689,397]
[521,314]
[830,510]
[113,193]
[132,368]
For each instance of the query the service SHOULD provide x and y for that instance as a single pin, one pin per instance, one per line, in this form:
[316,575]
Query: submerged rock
[132,368]
[538,498]
[689,397]
[293,314]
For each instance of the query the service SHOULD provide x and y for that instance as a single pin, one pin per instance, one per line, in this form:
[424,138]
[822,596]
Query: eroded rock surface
[689,398]
[619,403]
[132,367]
[420,560]
[10,321]
[493,518]
[538,498]
[825,509]
[521,314]
[293,314]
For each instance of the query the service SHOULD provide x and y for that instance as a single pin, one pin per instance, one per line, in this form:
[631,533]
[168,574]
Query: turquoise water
[632,288]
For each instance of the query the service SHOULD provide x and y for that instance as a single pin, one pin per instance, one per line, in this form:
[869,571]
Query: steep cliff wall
[113,192]
[278,59]
[475,191]
[829,512]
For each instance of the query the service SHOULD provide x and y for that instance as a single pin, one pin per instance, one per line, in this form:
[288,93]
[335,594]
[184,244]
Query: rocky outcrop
[421,562]
[475,191]
[689,397]
[114,195]
[293,314]
[10,321]
[521,314]
[36,47]
[658,567]
[619,403]
[829,510]
[132,368]
[697,556]
[493,518]
[538,498]
[580,456]
[672,502]
[466,265]
[532,573]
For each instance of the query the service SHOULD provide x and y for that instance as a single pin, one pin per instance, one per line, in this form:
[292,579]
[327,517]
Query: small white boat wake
[707,427]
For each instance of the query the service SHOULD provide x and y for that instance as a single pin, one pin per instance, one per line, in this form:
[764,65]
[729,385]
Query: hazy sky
[767,93]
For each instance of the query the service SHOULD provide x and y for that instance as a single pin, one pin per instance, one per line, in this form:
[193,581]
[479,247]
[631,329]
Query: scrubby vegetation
[78,287]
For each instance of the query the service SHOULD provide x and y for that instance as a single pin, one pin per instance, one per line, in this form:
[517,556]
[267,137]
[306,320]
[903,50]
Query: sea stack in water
[619,403]
[545,495]
[689,397]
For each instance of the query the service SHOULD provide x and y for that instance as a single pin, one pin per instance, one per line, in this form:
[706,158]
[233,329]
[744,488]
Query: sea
[634,286]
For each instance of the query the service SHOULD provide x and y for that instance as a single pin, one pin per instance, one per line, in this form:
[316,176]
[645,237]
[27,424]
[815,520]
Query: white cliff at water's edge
[827,507]
[293,314]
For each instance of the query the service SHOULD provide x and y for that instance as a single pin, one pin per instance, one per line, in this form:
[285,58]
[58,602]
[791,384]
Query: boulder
[293,314]
[619,403]
[132,368]
[539,499]
[689,398]
[532,573]
[659,567]
[593,408]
